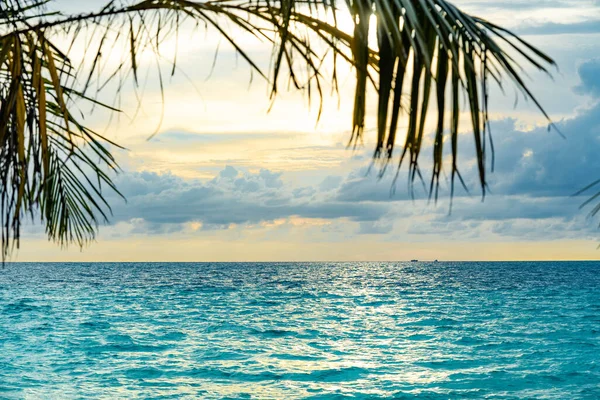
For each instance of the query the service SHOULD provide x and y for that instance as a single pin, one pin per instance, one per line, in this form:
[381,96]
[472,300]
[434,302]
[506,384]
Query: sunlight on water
[363,330]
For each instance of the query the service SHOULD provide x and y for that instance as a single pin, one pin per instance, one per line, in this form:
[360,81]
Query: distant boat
[436,261]
[414,260]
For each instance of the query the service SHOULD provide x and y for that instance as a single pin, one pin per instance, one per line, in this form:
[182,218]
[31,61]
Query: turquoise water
[298,330]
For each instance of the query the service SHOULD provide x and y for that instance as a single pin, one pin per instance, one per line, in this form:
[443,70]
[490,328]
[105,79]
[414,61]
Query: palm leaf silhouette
[428,55]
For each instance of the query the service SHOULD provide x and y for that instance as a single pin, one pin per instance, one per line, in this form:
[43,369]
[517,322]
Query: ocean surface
[300,330]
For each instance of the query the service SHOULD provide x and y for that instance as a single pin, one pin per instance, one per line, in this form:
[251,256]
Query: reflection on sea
[368,330]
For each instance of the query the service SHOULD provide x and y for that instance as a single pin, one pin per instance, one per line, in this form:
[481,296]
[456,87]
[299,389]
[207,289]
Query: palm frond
[593,197]
[46,156]
[424,48]
[460,53]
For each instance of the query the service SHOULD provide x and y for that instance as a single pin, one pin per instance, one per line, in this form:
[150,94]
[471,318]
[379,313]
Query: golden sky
[225,180]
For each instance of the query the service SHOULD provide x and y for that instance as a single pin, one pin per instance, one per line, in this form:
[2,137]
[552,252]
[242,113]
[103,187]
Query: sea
[368,330]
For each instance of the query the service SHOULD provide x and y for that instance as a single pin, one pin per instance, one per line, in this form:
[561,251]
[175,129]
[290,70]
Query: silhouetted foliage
[55,168]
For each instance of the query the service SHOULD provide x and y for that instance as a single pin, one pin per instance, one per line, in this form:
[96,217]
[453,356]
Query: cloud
[229,172]
[589,75]
[376,227]
[554,28]
[181,136]
[541,163]
[536,172]
[536,163]
[521,4]
[330,182]
[233,197]
[500,208]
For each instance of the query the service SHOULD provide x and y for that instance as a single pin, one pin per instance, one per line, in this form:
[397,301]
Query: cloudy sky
[225,180]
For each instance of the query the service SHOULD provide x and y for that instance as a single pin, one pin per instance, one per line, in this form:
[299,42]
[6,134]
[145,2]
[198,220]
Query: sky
[225,179]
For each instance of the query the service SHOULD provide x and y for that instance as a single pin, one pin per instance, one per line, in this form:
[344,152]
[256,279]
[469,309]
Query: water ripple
[300,330]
